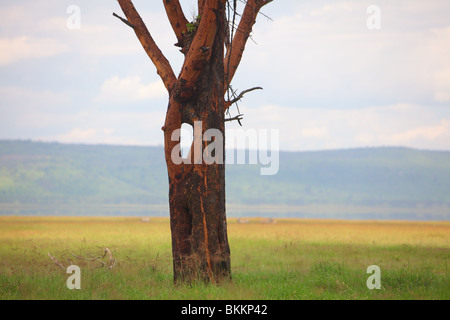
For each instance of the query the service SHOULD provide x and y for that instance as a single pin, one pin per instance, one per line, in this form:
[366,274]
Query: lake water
[235,211]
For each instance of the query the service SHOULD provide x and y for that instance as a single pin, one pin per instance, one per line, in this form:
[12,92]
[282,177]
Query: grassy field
[289,259]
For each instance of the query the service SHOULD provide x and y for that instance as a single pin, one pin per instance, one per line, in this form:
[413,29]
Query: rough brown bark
[197,191]
[198,223]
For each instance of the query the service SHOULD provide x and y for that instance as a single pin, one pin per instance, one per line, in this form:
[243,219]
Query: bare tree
[213,45]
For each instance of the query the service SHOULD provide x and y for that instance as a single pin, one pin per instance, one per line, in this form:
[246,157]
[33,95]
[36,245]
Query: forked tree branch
[177,19]
[162,65]
[248,19]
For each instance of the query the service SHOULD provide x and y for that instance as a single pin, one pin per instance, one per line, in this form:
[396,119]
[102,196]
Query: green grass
[289,260]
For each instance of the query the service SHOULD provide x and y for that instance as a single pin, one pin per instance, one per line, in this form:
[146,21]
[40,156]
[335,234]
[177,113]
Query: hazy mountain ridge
[53,173]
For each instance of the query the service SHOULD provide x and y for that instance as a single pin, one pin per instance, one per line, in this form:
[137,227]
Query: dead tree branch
[238,118]
[124,20]
[90,259]
[112,260]
[240,96]
[56,261]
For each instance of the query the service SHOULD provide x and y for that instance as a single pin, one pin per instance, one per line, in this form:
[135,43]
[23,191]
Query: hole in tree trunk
[186,138]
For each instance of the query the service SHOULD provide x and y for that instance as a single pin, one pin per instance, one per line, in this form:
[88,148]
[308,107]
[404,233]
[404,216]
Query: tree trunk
[197,190]
[197,187]
[198,224]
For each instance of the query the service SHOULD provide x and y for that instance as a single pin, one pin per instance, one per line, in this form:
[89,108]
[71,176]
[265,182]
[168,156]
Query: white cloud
[94,127]
[442,96]
[427,133]
[83,135]
[130,89]
[407,125]
[324,53]
[314,132]
[22,48]
[50,116]
[18,102]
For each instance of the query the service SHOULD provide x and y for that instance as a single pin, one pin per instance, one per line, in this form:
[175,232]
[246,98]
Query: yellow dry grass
[434,234]
[113,229]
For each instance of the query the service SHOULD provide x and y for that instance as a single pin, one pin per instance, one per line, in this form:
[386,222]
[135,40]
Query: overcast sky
[335,73]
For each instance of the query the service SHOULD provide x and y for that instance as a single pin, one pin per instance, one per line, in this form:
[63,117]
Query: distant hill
[53,173]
